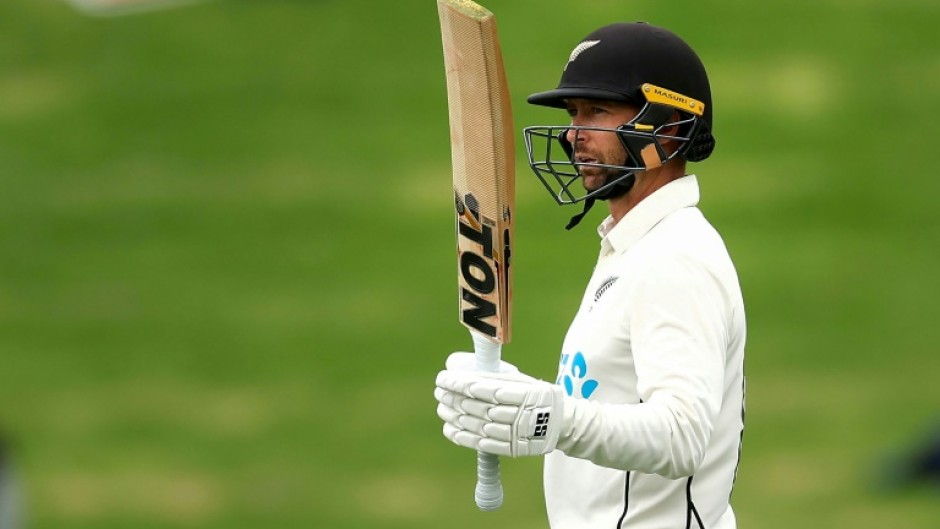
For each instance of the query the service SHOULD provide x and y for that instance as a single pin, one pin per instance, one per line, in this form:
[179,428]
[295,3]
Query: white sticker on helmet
[581,48]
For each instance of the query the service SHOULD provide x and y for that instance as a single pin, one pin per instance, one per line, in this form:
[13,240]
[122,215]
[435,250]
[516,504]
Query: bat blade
[483,159]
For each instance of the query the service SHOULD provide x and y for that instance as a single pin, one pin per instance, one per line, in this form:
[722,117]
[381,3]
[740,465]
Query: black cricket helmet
[636,63]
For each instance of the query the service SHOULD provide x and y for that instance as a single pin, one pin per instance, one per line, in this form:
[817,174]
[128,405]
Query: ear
[651,156]
[673,130]
[670,145]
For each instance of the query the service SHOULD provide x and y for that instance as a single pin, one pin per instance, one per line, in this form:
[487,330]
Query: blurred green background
[227,271]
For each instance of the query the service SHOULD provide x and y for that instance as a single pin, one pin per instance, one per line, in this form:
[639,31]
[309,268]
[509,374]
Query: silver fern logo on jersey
[609,282]
[605,286]
[579,49]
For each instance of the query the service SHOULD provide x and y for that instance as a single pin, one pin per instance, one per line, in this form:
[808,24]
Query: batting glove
[506,413]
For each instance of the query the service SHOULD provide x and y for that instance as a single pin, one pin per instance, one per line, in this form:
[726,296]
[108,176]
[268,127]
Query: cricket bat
[483,159]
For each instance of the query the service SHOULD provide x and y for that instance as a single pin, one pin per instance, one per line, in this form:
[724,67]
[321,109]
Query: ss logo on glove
[541,425]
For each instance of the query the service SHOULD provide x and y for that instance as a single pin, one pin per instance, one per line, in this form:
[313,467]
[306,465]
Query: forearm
[664,436]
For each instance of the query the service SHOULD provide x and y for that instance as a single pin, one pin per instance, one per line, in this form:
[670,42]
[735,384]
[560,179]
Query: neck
[647,182]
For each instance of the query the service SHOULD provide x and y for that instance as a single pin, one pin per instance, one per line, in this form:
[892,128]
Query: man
[643,426]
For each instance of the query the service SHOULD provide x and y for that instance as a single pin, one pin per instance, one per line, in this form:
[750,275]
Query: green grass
[227,271]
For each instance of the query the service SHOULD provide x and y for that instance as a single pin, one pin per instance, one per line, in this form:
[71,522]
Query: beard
[600,170]
[594,177]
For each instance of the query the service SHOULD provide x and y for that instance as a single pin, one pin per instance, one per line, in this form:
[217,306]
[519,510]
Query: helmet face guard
[551,154]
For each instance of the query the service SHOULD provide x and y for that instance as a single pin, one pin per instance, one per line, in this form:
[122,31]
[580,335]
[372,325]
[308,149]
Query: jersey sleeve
[678,323]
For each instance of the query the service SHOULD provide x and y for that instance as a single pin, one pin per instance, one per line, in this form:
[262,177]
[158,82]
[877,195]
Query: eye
[598,110]
[572,112]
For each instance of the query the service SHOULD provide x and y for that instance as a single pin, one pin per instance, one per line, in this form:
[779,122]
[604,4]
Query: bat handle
[489,491]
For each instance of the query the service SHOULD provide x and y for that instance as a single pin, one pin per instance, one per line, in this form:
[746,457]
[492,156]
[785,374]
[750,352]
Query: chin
[593,183]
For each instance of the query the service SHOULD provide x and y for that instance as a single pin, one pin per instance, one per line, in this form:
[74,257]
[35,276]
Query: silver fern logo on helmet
[579,49]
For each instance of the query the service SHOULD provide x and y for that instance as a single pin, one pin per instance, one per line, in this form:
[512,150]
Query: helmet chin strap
[617,190]
[575,220]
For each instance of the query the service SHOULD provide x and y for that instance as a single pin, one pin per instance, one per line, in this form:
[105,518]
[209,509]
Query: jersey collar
[678,194]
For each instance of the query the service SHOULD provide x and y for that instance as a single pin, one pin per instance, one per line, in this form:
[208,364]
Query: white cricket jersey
[654,361]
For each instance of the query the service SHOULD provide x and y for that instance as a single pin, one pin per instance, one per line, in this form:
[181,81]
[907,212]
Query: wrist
[573,411]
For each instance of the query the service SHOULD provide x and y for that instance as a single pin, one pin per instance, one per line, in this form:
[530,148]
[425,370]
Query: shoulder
[685,235]
[684,253]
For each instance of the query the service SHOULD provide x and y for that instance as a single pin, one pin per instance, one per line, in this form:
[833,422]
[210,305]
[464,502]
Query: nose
[574,135]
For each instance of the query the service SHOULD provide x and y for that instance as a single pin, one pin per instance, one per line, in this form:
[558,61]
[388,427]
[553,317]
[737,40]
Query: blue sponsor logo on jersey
[572,375]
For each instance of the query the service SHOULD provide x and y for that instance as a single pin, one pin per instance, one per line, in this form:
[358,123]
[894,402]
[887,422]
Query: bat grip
[486,352]
[489,491]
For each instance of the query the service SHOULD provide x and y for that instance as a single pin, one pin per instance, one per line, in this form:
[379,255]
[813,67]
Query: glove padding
[506,413]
